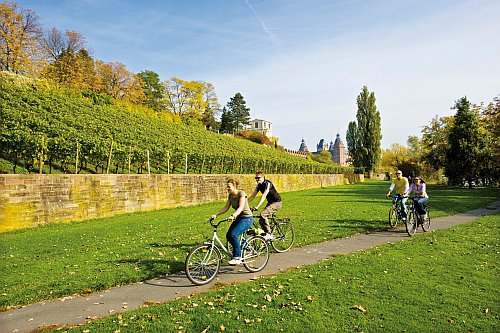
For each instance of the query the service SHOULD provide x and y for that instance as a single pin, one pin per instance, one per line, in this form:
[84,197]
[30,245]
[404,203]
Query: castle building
[303,147]
[337,149]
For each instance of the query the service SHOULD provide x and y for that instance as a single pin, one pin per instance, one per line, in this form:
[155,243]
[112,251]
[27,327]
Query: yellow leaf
[359,307]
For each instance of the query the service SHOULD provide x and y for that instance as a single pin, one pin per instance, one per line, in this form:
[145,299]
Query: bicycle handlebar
[216,224]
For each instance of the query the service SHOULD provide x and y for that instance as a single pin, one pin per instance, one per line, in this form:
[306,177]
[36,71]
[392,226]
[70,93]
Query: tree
[490,120]
[239,112]
[364,142]
[153,90]
[70,60]
[194,99]
[116,81]
[323,157]
[212,107]
[352,144]
[227,122]
[435,141]
[20,33]
[55,43]
[76,70]
[467,145]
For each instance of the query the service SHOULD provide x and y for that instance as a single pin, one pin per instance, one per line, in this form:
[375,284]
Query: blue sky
[301,64]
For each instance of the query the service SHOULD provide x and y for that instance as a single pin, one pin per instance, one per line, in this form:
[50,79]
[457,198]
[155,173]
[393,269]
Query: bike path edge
[73,310]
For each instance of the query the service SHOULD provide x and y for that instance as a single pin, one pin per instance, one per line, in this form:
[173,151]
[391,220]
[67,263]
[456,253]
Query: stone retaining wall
[33,200]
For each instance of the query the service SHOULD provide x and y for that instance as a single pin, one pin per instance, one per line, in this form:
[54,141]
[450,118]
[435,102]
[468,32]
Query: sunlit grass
[444,281]
[64,259]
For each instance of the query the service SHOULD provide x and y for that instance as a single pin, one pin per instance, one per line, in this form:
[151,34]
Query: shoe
[268,237]
[234,262]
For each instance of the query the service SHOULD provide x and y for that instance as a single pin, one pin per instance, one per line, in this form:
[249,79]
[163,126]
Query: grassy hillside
[41,121]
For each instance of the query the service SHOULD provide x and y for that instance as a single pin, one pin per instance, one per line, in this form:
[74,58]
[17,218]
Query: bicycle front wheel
[411,223]
[202,264]
[255,254]
[393,218]
[283,236]
[426,224]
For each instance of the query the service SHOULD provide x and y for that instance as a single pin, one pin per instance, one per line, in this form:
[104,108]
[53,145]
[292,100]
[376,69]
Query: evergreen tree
[227,122]
[153,89]
[239,112]
[363,138]
[467,150]
[352,146]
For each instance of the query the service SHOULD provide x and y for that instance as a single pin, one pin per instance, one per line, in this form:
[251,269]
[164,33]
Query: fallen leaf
[358,307]
[268,298]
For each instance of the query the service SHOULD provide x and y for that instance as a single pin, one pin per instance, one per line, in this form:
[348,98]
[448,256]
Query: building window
[256,125]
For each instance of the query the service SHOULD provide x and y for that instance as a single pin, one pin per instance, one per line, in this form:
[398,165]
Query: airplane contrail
[258,18]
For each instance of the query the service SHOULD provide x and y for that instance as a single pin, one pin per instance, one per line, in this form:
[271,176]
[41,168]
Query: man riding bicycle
[400,185]
[273,202]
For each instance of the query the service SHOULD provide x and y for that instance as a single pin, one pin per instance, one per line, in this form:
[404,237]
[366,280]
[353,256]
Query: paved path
[77,310]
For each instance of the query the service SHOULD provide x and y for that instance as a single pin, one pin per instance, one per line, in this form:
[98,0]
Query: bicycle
[395,213]
[203,261]
[281,230]
[414,219]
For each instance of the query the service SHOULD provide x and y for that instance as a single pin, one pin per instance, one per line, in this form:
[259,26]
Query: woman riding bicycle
[242,218]
[421,197]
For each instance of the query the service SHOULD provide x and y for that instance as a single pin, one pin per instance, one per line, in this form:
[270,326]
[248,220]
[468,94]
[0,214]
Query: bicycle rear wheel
[393,217]
[411,223]
[255,254]
[202,264]
[426,224]
[283,236]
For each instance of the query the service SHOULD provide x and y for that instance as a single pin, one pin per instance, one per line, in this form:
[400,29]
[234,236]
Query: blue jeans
[239,225]
[419,205]
[402,202]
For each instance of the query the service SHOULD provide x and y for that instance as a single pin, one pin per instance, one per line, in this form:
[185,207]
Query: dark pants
[402,202]
[420,205]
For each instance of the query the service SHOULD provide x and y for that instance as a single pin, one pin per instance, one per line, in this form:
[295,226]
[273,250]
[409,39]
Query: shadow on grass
[181,246]
[155,267]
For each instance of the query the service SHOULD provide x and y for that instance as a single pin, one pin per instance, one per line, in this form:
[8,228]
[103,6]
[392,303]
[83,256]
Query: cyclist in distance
[242,218]
[401,186]
[274,202]
[421,197]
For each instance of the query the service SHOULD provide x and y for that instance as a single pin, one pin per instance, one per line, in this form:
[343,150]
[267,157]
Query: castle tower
[338,151]
[322,145]
[303,146]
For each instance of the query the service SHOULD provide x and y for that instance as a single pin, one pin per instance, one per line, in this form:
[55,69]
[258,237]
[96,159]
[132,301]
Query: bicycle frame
[216,242]
[396,203]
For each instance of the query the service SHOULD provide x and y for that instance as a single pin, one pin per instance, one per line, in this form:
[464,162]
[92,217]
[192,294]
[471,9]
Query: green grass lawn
[77,258]
[444,281]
